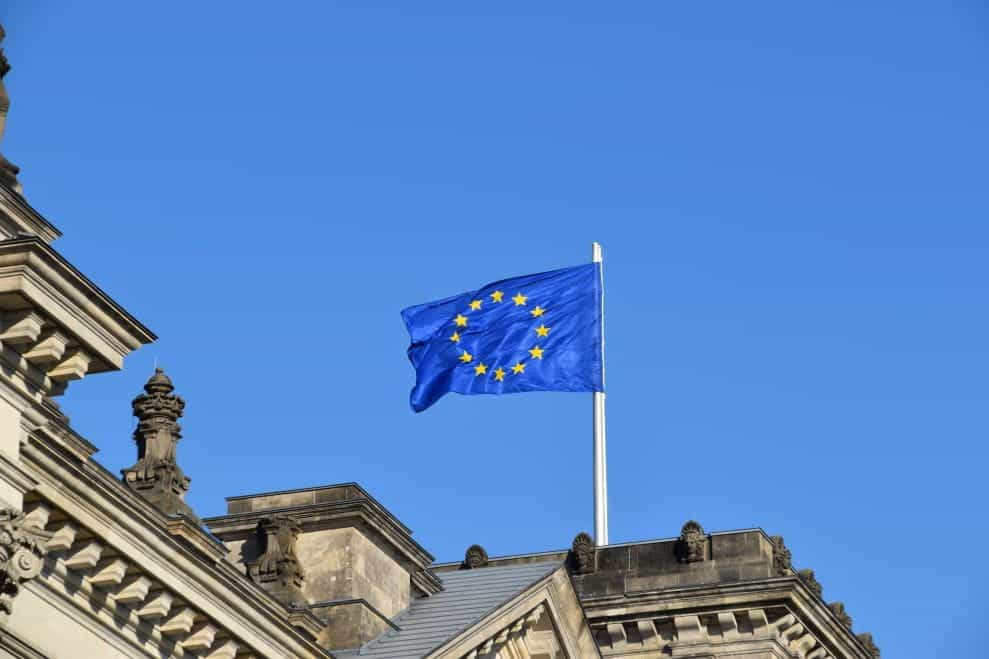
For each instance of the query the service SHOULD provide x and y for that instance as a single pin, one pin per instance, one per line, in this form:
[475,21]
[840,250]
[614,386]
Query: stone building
[95,564]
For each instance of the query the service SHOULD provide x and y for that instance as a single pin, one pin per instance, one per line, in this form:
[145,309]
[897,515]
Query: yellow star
[519,299]
[542,330]
[496,296]
[499,374]
[537,352]
[518,368]
[466,357]
[537,312]
[455,337]
[480,369]
[461,320]
[475,305]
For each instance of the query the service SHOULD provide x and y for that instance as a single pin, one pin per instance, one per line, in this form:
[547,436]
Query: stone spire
[8,170]
[156,476]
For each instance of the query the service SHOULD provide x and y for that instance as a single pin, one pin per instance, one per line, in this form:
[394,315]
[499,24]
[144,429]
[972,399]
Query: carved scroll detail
[22,552]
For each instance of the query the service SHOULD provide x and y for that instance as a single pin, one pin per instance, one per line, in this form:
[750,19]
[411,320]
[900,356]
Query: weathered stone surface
[692,543]
[8,170]
[22,548]
[838,609]
[582,554]
[782,561]
[475,557]
[277,569]
[156,475]
[869,644]
[350,623]
[807,576]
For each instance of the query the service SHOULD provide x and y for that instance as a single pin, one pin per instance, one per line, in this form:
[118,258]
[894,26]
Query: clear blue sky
[793,204]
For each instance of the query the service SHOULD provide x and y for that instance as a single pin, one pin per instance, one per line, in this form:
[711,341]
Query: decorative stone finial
[22,552]
[8,170]
[838,609]
[690,548]
[807,576]
[156,476]
[782,560]
[869,644]
[583,558]
[474,558]
[277,568]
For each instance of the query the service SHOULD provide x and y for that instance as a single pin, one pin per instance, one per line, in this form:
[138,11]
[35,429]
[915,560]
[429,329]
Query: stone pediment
[515,612]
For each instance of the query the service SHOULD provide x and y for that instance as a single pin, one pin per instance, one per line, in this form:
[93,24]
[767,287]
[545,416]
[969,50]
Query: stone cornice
[347,488]
[335,514]
[31,269]
[17,646]
[788,591]
[138,533]
[17,210]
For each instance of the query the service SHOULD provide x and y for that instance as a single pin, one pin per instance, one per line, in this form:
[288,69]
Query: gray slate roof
[467,597]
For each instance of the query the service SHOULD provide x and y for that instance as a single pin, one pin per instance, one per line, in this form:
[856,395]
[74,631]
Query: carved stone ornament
[8,170]
[807,576]
[692,543]
[838,609]
[156,475]
[869,644]
[277,568]
[583,557]
[475,557]
[782,564]
[22,552]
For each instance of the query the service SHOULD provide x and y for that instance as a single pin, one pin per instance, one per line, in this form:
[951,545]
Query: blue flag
[533,333]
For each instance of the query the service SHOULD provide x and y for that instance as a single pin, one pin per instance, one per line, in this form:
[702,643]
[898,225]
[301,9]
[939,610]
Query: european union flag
[533,333]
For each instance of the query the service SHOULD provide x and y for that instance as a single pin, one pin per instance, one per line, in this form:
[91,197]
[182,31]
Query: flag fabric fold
[537,332]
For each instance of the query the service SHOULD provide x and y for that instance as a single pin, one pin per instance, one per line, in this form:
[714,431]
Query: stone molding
[838,609]
[55,325]
[807,576]
[112,557]
[773,629]
[798,624]
[17,217]
[516,631]
[92,574]
[519,640]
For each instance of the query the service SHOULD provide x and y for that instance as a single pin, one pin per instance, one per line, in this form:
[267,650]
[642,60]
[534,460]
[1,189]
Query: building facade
[96,564]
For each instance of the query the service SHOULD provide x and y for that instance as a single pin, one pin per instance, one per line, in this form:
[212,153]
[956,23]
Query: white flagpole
[600,448]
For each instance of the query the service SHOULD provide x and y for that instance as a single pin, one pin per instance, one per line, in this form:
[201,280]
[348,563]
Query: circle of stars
[499,373]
